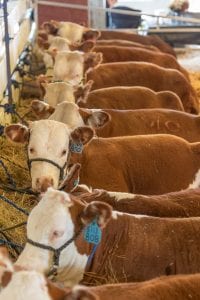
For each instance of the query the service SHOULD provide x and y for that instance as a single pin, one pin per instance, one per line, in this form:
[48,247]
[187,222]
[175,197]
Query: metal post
[7,48]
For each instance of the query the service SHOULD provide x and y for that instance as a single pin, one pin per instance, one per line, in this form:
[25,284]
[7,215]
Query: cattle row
[120,114]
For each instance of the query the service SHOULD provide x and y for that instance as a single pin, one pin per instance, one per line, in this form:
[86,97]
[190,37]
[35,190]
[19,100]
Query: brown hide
[151,121]
[135,97]
[124,43]
[120,54]
[151,164]
[181,287]
[137,248]
[148,75]
[180,204]
[145,40]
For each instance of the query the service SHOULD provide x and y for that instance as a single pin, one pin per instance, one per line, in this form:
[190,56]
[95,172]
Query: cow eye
[31,150]
[64,152]
[58,233]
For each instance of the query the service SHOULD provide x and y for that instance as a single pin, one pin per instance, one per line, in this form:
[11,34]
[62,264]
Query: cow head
[57,92]
[69,66]
[53,222]
[49,140]
[71,115]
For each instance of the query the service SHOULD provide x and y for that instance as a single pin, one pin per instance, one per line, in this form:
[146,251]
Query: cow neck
[74,260]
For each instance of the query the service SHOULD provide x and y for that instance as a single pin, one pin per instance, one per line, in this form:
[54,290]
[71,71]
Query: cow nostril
[37,181]
[52,181]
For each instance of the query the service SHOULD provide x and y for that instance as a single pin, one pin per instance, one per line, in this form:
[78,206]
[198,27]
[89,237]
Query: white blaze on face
[72,31]
[69,66]
[26,285]
[58,92]
[50,223]
[50,140]
[67,113]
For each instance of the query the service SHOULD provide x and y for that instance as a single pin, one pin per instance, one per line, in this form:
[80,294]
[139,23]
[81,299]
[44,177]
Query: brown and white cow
[70,114]
[60,44]
[54,93]
[130,248]
[150,121]
[71,31]
[179,204]
[139,164]
[20,284]
[131,97]
[122,54]
[145,40]
[113,123]
[182,287]
[148,75]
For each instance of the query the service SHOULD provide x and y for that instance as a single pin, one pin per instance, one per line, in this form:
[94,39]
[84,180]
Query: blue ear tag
[76,148]
[76,182]
[92,233]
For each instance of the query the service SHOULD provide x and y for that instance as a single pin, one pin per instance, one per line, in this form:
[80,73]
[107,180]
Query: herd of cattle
[119,113]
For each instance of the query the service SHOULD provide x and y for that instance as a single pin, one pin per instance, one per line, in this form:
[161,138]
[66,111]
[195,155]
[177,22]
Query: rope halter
[61,169]
[56,252]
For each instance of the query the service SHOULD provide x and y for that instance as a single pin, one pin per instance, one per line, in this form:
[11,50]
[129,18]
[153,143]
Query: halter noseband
[73,148]
[56,252]
[61,169]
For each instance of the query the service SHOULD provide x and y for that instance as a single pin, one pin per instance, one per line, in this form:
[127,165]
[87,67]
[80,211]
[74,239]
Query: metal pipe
[7,48]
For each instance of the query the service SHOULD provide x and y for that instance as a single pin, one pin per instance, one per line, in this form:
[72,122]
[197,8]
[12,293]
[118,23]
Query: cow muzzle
[43,183]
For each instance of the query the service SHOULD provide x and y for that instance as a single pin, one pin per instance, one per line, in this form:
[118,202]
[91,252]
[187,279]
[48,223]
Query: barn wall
[46,13]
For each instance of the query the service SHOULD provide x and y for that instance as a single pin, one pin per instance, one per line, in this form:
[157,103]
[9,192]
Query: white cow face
[57,92]
[69,66]
[49,223]
[50,140]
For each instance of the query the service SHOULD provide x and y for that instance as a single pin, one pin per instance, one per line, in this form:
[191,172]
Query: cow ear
[82,135]
[98,119]
[6,278]
[86,46]
[17,133]
[81,94]
[71,180]
[42,80]
[91,35]
[92,60]
[42,109]
[81,293]
[99,211]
